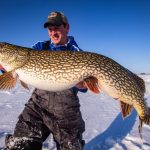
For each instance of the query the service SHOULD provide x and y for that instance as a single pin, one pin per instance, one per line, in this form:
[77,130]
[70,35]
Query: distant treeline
[144,73]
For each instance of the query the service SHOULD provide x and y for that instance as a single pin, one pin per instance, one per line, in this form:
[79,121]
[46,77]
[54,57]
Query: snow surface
[105,128]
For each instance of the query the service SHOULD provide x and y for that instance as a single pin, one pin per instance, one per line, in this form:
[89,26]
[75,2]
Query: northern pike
[60,70]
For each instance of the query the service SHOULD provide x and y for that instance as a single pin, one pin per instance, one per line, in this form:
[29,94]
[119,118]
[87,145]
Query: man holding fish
[46,113]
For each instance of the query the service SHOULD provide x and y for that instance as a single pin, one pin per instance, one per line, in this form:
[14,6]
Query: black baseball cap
[56,19]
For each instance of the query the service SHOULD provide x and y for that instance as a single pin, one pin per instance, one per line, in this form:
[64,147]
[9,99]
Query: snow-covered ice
[105,128]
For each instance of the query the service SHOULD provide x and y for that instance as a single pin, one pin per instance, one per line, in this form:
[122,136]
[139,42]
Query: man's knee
[21,143]
[73,145]
[69,141]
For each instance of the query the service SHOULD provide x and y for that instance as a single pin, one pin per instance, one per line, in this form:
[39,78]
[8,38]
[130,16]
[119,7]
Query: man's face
[58,34]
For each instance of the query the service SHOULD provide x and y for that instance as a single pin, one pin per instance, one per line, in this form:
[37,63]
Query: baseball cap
[56,19]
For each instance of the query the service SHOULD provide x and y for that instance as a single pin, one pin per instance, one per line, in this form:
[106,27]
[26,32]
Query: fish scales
[101,67]
[106,70]
[60,70]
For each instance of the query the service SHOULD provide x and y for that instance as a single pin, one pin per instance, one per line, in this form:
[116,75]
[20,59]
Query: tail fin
[140,82]
[140,127]
[146,120]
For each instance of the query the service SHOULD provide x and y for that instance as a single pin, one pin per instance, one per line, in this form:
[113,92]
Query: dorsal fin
[140,82]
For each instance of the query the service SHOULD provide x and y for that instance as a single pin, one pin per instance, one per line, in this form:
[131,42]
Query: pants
[49,112]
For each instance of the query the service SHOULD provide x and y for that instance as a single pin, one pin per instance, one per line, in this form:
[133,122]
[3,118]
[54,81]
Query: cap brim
[52,23]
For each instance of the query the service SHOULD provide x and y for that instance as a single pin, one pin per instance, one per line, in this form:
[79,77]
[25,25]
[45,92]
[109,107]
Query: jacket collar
[71,41]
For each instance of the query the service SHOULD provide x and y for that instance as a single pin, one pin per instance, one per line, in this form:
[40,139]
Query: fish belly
[110,90]
[49,84]
[117,92]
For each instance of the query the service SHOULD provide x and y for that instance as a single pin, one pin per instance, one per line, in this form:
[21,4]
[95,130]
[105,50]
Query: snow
[105,128]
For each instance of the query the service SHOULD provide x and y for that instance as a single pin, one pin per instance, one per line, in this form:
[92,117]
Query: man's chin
[56,42]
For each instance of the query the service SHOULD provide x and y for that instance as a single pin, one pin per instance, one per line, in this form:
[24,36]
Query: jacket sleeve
[38,46]
[2,70]
[75,48]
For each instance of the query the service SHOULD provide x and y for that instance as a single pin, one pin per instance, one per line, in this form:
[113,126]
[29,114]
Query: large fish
[60,70]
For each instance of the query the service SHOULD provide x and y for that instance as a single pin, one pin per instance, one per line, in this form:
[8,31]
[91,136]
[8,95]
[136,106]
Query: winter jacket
[70,45]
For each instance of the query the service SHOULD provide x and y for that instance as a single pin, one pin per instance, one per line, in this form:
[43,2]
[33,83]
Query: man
[51,112]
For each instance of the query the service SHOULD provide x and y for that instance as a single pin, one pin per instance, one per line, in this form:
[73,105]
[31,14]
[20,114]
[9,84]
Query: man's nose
[53,32]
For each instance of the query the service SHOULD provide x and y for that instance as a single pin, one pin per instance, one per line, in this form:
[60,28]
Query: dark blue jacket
[71,45]
[2,71]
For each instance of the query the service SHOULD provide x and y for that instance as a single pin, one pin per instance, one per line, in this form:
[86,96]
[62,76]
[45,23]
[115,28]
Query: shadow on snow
[116,132]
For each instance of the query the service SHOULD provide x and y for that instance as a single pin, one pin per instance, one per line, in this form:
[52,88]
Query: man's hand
[81,85]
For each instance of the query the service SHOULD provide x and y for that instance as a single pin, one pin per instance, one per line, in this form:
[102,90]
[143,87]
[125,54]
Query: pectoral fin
[125,109]
[92,84]
[8,80]
[24,85]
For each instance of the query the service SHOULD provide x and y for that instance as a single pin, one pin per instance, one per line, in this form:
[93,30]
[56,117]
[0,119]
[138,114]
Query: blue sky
[119,29]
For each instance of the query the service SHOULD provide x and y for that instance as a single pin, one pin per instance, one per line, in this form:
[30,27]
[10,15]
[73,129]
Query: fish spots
[73,67]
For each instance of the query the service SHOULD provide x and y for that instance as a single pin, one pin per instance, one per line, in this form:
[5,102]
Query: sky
[119,29]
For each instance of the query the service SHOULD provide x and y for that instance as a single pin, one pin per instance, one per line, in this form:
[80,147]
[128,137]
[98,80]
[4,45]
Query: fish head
[8,53]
